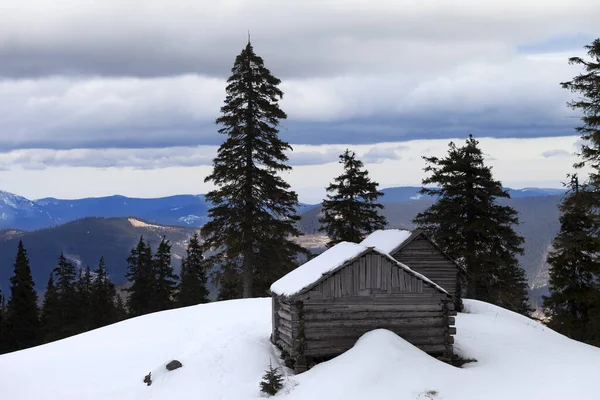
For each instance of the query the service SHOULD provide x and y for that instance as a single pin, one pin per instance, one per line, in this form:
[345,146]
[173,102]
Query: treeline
[76,301]
[573,307]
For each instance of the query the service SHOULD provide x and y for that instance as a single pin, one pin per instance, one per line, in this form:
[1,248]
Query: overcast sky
[99,98]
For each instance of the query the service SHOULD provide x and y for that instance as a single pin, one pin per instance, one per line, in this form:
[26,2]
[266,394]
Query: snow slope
[224,349]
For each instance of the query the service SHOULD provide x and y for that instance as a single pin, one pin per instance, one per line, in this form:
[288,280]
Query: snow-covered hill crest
[224,348]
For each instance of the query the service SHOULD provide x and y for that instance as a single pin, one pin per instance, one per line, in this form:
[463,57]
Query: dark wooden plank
[352,315]
[375,323]
[413,335]
[369,307]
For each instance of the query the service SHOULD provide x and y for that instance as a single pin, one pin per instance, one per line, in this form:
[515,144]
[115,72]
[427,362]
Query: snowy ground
[224,349]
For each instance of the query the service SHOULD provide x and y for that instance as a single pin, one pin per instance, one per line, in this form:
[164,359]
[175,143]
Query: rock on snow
[225,348]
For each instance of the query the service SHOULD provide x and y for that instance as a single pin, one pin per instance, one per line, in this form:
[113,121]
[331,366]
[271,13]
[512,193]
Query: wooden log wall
[421,256]
[333,327]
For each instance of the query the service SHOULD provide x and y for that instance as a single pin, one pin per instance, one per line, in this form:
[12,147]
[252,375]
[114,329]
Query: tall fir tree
[467,222]
[121,310]
[67,298]
[84,300]
[141,276]
[50,315]
[2,319]
[22,326]
[165,280]
[588,104]
[350,211]
[228,279]
[572,275]
[103,298]
[574,263]
[194,275]
[252,204]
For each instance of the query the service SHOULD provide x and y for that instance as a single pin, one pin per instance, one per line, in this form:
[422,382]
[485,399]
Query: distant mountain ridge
[407,193]
[84,241]
[17,212]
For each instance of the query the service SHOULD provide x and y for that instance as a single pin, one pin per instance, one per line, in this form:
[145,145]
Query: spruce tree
[229,281]
[350,211]
[103,298]
[194,272]
[271,264]
[272,381]
[574,264]
[252,203]
[468,224]
[121,310]
[50,315]
[84,300]
[574,274]
[22,326]
[165,280]
[141,276]
[2,327]
[588,103]
[67,297]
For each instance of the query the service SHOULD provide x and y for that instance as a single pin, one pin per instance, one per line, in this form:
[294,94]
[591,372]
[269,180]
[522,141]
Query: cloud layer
[300,39]
[114,86]
[519,97]
[151,173]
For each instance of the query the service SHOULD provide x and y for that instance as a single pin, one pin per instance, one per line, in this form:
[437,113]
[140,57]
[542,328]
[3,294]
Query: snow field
[224,348]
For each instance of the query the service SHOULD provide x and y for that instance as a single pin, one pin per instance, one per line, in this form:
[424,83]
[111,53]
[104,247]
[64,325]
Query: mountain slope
[224,348]
[173,210]
[85,241]
[21,213]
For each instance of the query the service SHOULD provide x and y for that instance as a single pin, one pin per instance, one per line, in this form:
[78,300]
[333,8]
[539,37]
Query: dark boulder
[174,365]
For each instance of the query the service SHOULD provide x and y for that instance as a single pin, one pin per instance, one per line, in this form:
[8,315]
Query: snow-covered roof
[328,261]
[313,270]
[387,240]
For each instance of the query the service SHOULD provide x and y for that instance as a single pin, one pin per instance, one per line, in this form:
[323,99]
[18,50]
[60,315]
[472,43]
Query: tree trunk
[247,269]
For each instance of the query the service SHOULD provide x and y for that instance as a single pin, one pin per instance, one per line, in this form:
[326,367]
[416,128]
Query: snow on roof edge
[387,239]
[304,276]
[313,270]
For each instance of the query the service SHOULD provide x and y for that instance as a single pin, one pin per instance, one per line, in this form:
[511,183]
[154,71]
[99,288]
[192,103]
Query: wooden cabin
[323,307]
[420,254]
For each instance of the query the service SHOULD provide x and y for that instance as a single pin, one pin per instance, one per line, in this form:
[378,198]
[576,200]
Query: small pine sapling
[272,381]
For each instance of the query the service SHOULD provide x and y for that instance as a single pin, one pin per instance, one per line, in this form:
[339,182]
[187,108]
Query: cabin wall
[423,257]
[286,326]
[368,294]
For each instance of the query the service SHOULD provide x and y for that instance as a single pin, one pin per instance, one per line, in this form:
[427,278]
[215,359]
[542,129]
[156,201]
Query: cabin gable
[422,256]
[367,275]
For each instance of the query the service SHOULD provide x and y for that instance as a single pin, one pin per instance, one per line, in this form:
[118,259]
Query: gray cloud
[39,159]
[556,153]
[116,38]
[114,75]
[379,155]
[314,157]
[60,113]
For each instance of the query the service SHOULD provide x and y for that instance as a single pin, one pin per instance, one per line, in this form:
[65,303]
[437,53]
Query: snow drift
[224,348]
